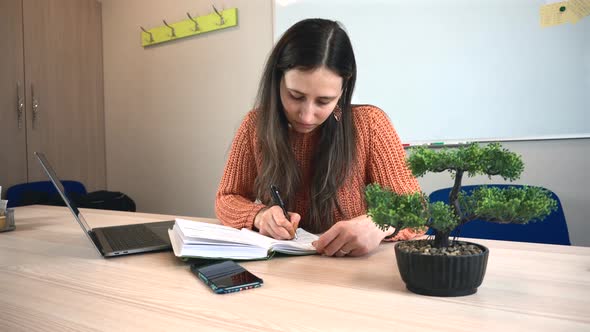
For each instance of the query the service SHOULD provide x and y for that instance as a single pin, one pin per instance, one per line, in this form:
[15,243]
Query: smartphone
[226,277]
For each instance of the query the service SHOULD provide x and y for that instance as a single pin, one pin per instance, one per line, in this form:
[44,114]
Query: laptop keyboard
[131,237]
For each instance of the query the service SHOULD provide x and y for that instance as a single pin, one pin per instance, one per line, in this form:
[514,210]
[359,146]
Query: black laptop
[115,240]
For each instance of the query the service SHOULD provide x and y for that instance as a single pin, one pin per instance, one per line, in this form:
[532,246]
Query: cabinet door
[63,62]
[13,153]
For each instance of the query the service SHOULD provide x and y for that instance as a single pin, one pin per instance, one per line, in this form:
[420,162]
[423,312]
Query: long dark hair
[307,45]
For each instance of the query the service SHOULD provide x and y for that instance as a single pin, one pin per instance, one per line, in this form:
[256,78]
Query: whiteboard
[462,70]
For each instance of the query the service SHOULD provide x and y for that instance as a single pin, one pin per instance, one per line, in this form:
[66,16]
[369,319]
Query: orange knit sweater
[380,158]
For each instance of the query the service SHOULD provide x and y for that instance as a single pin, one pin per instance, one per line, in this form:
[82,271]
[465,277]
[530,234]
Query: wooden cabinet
[51,64]
[13,153]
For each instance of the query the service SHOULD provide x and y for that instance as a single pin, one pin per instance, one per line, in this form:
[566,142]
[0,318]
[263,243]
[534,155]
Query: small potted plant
[440,265]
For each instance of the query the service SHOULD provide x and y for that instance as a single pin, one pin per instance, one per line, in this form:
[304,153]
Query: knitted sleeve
[387,162]
[235,200]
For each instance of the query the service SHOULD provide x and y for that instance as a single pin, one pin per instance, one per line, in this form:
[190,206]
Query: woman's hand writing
[272,222]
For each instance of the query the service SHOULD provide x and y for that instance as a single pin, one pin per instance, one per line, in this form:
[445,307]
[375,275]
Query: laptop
[115,240]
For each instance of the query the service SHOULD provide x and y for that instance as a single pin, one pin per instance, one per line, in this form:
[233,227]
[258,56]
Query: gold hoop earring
[337,113]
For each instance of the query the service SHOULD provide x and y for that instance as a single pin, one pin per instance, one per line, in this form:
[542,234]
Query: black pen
[276,197]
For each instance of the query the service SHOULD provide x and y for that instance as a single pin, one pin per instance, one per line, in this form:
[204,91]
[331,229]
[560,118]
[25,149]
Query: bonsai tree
[510,205]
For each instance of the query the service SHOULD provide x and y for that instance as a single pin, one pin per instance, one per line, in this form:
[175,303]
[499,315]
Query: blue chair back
[551,230]
[17,195]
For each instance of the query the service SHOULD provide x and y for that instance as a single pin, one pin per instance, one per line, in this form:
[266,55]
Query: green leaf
[387,208]
[511,205]
[442,217]
[473,159]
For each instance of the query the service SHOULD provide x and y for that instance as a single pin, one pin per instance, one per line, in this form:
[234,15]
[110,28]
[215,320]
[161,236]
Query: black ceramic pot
[442,275]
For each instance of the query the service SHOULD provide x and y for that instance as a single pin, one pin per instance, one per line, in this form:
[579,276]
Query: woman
[306,138]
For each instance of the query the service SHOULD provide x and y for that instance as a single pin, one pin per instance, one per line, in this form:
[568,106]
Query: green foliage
[509,205]
[498,161]
[387,208]
[442,217]
[473,159]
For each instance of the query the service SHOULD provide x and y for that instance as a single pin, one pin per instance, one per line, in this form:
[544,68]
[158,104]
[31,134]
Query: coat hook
[173,33]
[149,33]
[221,20]
[194,20]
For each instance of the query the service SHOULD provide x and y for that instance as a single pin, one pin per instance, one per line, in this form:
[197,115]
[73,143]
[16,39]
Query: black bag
[106,200]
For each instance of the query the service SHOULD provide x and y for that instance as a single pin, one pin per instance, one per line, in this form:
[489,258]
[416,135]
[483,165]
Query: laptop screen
[60,189]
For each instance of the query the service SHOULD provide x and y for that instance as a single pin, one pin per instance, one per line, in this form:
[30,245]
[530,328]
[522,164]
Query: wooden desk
[52,279]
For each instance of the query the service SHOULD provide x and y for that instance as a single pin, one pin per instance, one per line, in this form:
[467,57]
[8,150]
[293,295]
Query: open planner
[204,240]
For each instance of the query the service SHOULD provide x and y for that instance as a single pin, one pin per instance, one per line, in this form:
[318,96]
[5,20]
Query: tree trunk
[454,195]
[441,239]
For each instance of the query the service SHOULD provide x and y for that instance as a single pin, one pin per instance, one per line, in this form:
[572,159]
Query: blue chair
[551,230]
[42,192]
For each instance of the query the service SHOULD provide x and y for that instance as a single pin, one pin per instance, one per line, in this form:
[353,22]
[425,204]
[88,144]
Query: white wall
[486,67]
[172,110]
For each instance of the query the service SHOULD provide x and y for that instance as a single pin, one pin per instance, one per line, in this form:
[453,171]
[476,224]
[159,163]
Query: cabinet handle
[35,106]
[20,106]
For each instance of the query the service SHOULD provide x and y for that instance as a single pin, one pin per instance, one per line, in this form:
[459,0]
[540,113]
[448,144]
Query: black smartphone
[226,277]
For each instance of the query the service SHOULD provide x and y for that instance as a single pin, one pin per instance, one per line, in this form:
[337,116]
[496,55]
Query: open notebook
[204,240]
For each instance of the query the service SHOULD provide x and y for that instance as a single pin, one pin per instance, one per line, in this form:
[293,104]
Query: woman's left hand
[354,237]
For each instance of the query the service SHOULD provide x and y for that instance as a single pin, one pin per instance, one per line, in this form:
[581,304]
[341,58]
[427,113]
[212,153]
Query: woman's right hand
[272,222]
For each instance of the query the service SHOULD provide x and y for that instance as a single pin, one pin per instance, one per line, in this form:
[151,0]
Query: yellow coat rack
[190,27]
